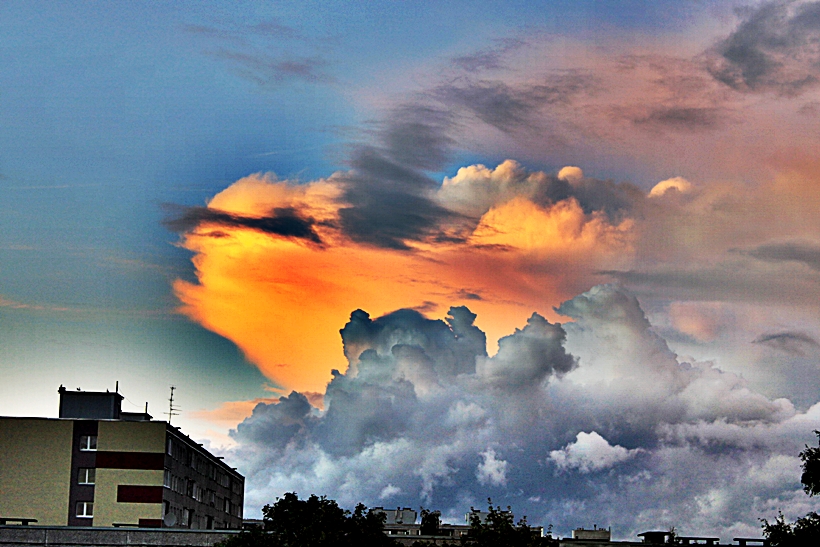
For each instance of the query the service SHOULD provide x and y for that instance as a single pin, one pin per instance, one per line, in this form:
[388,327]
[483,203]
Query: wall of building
[36,466]
[118,436]
[26,536]
[130,460]
[201,490]
[119,500]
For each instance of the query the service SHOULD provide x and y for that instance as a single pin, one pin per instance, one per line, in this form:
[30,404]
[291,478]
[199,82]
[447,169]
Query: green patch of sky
[41,349]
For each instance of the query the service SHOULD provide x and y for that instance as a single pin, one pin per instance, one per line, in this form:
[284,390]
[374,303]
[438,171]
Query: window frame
[87,476]
[88,443]
[85,506]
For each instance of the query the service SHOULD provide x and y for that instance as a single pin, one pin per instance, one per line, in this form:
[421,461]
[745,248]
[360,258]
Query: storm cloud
[424,416]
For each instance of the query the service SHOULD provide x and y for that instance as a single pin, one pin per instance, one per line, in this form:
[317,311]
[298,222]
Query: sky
[565,255]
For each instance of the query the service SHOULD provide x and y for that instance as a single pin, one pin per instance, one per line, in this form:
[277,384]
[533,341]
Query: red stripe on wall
[127,493]
[131,460]
[150,523]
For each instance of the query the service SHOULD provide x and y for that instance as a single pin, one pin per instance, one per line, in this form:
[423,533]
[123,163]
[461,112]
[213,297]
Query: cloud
[773,50]
[678,184]
[389,491]
[590,452]
[490,58]
[571,174]
[282,221]
[681,118]
[510,108]
[796,343]
[422,410]
[807,253]
[491,470]
[273,256]
[703,321]
[264,52]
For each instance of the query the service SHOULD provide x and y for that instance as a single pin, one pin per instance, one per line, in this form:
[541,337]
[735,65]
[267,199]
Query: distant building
[96,465]
[596,534]
[399,515]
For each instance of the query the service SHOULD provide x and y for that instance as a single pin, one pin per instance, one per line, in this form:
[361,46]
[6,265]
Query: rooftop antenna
[172,410]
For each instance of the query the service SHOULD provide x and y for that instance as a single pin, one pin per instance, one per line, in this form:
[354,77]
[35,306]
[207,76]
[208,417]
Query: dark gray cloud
[282,221]
[774,49]
[390,196]
[796,251]
[681,118]
[530,355]
[278,423]
[452,345]
[796,343]
[490,58]
[511,108]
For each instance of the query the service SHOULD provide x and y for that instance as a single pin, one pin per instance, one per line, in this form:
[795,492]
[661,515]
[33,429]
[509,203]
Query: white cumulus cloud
[590,452]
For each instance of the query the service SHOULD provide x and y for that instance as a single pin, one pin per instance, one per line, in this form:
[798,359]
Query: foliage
[314,522]
[430,522]
[805,530]
[498,530]
[811,468]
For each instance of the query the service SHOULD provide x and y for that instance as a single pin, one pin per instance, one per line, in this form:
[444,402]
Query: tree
[430,522]
[314,522]
[811,468]
[805,530]
[498,530]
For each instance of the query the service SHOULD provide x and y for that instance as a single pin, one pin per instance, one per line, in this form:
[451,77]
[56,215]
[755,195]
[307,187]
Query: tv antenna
[172,410]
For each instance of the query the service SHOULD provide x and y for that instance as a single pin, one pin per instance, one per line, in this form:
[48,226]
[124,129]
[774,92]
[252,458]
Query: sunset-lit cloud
[268,291]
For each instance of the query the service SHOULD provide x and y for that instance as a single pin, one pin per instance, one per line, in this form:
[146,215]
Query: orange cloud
[283,301]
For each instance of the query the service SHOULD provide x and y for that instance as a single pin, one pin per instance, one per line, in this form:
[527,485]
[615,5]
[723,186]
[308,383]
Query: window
[166,479]
[85,509]
[88,442]
[86,475]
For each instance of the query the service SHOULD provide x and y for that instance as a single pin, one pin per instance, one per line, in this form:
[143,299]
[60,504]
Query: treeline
[320,522]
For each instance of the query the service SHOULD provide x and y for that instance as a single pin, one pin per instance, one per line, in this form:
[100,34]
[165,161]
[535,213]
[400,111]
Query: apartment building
[96,465]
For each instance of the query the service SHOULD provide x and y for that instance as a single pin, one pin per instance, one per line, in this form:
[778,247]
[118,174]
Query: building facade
[98,466]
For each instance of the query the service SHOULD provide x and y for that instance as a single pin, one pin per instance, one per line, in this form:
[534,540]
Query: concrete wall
[115,436]
[108,511]
[36,465]
[26,536]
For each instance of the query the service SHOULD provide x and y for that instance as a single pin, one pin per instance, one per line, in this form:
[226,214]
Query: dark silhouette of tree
[811,468]
[805,530]
[314,522]
[430,522]
[498,530]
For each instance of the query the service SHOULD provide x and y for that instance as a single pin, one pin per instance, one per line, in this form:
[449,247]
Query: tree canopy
[498,530]
[314,522]
[805,530]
